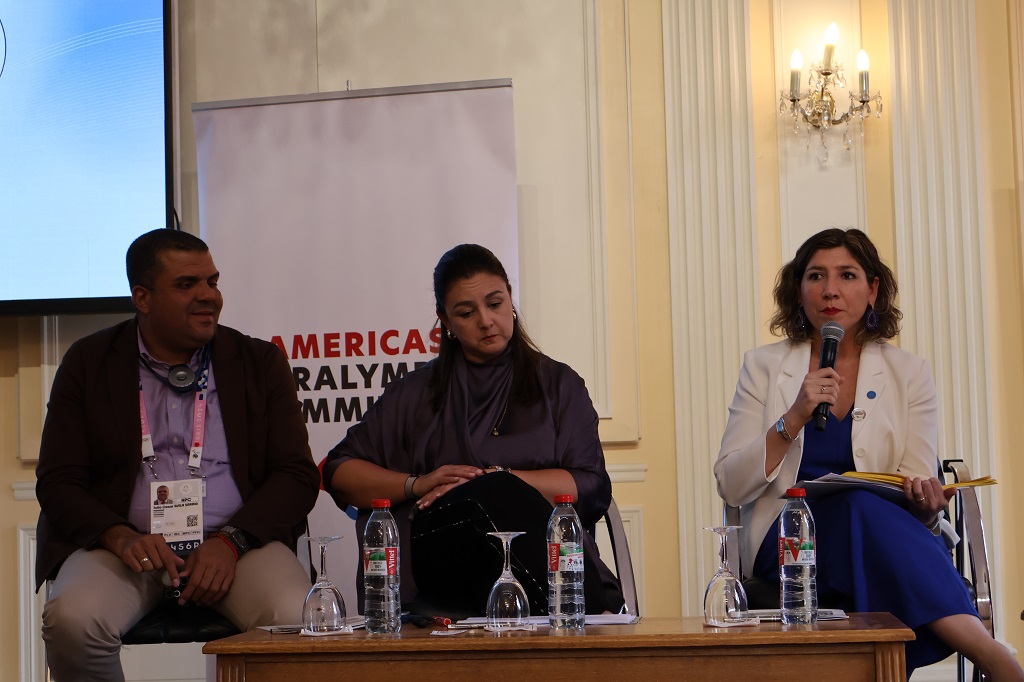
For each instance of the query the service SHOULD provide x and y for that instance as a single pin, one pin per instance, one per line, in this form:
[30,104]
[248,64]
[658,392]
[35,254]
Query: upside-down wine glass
[725,601]
[507,606]
[324,610]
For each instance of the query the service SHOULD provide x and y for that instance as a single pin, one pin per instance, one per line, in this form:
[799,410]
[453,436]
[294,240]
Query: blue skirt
[873,555]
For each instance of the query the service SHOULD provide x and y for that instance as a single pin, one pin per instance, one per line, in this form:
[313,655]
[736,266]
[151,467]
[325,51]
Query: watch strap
[240,540]
[780,428]
[409,483]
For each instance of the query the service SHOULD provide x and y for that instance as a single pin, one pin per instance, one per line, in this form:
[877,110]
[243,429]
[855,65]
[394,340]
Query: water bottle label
[380,560]
[796,552]
[565,556]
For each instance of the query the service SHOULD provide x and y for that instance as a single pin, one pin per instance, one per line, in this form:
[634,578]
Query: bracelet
[227,541]
[935,524]
[495,469]
[409,483]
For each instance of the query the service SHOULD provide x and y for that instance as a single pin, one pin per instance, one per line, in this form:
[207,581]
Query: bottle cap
[563,499]
[796,492]
[381,504]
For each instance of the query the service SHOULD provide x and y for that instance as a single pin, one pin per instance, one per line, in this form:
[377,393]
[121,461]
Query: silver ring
[919,499]
[822,389]
[145,558]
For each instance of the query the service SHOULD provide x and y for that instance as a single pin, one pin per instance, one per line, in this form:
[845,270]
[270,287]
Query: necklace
[501,417]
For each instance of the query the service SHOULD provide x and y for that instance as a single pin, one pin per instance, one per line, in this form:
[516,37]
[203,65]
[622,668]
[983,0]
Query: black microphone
[831,334]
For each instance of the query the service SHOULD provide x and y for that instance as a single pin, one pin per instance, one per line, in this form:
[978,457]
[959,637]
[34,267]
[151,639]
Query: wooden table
[868,646]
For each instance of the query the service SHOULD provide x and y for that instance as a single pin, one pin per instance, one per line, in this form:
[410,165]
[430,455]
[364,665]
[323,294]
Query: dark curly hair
[789,319]
[462,262]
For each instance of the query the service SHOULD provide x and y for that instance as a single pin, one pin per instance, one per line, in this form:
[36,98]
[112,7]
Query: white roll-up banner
[326,215]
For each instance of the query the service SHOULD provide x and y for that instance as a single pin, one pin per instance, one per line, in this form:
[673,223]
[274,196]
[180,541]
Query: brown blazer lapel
[230,376]
[122,371]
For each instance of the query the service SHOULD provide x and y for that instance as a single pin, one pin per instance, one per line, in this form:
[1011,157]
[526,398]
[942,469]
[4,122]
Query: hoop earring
[801,319]
[871,319]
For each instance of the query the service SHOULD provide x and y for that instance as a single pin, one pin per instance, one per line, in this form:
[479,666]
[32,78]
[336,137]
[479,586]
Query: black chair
[970,556]
[169,623]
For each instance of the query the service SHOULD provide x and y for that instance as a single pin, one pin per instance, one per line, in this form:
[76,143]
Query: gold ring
[822,389]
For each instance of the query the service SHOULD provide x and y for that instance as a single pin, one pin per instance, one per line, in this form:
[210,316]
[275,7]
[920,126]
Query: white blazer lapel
[792,373]
[871,381]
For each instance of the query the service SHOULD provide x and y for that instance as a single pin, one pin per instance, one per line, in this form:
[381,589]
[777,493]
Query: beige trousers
[95,598]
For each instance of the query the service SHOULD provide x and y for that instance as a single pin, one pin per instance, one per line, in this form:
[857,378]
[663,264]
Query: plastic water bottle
[797,561]
[383,602]
[566,609]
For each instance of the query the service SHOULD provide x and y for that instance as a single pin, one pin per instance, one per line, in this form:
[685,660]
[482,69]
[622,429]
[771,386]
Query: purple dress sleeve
[386,436]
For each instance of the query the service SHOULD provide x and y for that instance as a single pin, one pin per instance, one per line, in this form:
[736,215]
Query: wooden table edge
[882,628]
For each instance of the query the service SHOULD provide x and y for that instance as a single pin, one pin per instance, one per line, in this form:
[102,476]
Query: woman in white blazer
[883,416]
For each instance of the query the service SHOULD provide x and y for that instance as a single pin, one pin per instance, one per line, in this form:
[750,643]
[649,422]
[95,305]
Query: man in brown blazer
[169,398]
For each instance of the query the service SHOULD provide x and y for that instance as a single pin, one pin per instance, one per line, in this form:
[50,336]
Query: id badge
[177,513]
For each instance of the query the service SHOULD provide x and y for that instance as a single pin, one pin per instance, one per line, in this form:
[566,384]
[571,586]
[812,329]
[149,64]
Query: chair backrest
[623,561]
[971,529]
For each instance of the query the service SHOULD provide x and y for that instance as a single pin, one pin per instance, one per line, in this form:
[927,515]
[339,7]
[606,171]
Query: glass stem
[508,555]
[323,561]
[725,551]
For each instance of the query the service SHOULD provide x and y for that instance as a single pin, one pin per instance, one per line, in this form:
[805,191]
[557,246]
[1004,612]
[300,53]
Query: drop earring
[871,319]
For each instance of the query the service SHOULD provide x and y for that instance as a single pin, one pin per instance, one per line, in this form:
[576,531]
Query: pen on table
[466,626]
[424,621]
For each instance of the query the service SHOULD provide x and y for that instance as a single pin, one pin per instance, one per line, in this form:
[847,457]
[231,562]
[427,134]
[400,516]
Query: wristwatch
[780,428]
[409,483]
[238,537]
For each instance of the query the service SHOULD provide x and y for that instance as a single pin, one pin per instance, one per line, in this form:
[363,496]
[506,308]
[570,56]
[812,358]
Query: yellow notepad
[897,479]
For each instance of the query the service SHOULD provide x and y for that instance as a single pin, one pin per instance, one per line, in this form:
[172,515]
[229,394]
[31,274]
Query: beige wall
[634,155]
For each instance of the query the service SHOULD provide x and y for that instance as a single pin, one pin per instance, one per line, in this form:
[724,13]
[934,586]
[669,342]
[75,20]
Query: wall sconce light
[817,107]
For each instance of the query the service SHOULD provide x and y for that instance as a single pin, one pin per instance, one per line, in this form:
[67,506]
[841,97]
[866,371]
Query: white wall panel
[813,196]
[712,239]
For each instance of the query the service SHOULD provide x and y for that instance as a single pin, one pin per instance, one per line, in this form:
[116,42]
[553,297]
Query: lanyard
[195,454]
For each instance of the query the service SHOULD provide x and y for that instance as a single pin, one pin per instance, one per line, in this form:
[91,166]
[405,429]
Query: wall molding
[1017,80]
[598,229]
[24,491]
[627,473]
[31,654]
[712,251]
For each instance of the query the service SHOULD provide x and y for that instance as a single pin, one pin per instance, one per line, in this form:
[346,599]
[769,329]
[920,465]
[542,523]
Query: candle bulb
[831,37]
[863,64]
[796,66]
